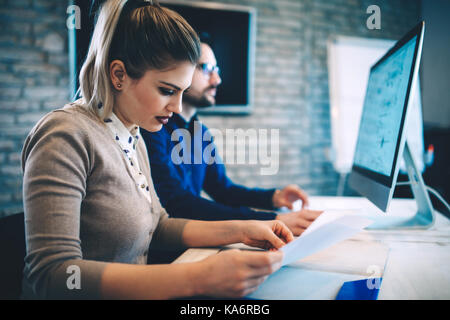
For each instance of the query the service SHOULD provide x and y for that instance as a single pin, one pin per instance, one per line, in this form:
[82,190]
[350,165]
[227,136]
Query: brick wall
[291,84]
[33,80]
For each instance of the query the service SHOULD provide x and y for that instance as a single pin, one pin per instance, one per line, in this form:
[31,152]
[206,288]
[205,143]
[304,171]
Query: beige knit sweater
[82,207]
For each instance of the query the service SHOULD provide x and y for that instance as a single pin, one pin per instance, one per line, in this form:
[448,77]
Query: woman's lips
[163,120]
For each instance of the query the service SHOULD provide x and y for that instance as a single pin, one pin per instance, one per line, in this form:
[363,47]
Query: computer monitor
[231,30]
[381,139]
[232,36]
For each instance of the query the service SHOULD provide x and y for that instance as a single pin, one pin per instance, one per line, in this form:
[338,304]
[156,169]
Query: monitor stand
[424,217]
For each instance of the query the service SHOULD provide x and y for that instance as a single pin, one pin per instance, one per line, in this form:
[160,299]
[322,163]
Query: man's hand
[287,196]
[298,221]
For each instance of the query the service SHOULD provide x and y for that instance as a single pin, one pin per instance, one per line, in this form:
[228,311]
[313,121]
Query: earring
[119,85]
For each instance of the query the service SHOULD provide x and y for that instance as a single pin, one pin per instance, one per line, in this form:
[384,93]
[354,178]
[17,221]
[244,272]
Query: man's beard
[199,102]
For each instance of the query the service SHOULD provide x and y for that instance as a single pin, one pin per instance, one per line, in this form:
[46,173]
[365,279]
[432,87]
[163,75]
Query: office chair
[12,253]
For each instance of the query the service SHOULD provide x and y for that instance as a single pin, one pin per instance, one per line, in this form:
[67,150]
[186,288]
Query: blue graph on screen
[383,109]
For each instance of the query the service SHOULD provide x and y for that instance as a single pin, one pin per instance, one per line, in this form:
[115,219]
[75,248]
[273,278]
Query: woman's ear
[118,74]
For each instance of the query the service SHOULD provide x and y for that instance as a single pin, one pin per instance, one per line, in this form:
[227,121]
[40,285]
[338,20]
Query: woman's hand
[235,273]
[269,235]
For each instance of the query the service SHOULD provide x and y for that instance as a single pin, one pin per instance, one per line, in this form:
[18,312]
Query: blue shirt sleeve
[180,201]
[223,190]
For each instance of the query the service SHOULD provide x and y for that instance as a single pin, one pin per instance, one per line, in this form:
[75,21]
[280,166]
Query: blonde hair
[144,36]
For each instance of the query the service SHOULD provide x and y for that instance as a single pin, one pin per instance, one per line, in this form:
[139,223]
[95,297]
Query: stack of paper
[329,228]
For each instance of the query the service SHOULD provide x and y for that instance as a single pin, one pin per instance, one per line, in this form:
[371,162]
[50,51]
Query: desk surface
[416,262]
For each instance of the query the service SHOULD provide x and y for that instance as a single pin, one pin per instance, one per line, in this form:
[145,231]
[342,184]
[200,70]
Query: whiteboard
[349,63]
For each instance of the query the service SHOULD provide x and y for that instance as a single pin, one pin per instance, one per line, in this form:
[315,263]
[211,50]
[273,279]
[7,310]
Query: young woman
[91,210]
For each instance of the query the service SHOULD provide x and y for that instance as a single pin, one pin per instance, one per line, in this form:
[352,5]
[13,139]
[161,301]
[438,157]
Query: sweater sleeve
[55,162]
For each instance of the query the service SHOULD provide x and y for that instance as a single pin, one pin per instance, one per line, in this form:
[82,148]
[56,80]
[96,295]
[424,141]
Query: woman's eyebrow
[171,85]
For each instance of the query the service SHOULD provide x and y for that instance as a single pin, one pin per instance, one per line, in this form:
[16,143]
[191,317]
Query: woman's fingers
[246,270]
[282,231]
[274,239]
[267,234]
[263,258]
[252,285]
[236,273]
[264,263]
[261,265]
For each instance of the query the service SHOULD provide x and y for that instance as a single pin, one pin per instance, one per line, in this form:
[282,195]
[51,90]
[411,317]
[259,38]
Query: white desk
[416,262]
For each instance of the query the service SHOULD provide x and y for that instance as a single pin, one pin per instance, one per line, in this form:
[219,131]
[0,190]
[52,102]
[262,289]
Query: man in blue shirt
[180,177]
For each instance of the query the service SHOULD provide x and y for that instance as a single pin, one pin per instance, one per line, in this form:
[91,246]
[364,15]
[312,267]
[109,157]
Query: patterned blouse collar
[127,139]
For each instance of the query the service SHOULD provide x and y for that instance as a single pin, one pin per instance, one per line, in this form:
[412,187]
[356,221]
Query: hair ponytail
[143,35]
[95,87]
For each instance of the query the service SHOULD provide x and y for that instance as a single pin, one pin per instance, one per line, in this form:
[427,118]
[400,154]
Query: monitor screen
[381,121]
[233,45]
[382,131]
[230,44]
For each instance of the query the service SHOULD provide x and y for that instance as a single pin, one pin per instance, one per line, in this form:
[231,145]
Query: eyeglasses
[208,68]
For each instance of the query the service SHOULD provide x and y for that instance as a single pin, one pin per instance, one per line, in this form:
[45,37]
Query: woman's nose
[175,104]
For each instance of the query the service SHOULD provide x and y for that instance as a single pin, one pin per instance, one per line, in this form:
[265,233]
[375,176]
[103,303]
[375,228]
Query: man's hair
[206,38]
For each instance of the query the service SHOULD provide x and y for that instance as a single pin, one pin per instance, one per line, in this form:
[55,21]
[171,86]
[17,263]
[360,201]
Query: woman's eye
[166,92]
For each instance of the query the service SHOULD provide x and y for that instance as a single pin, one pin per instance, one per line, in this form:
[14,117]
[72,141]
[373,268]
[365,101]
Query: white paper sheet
[329,228]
